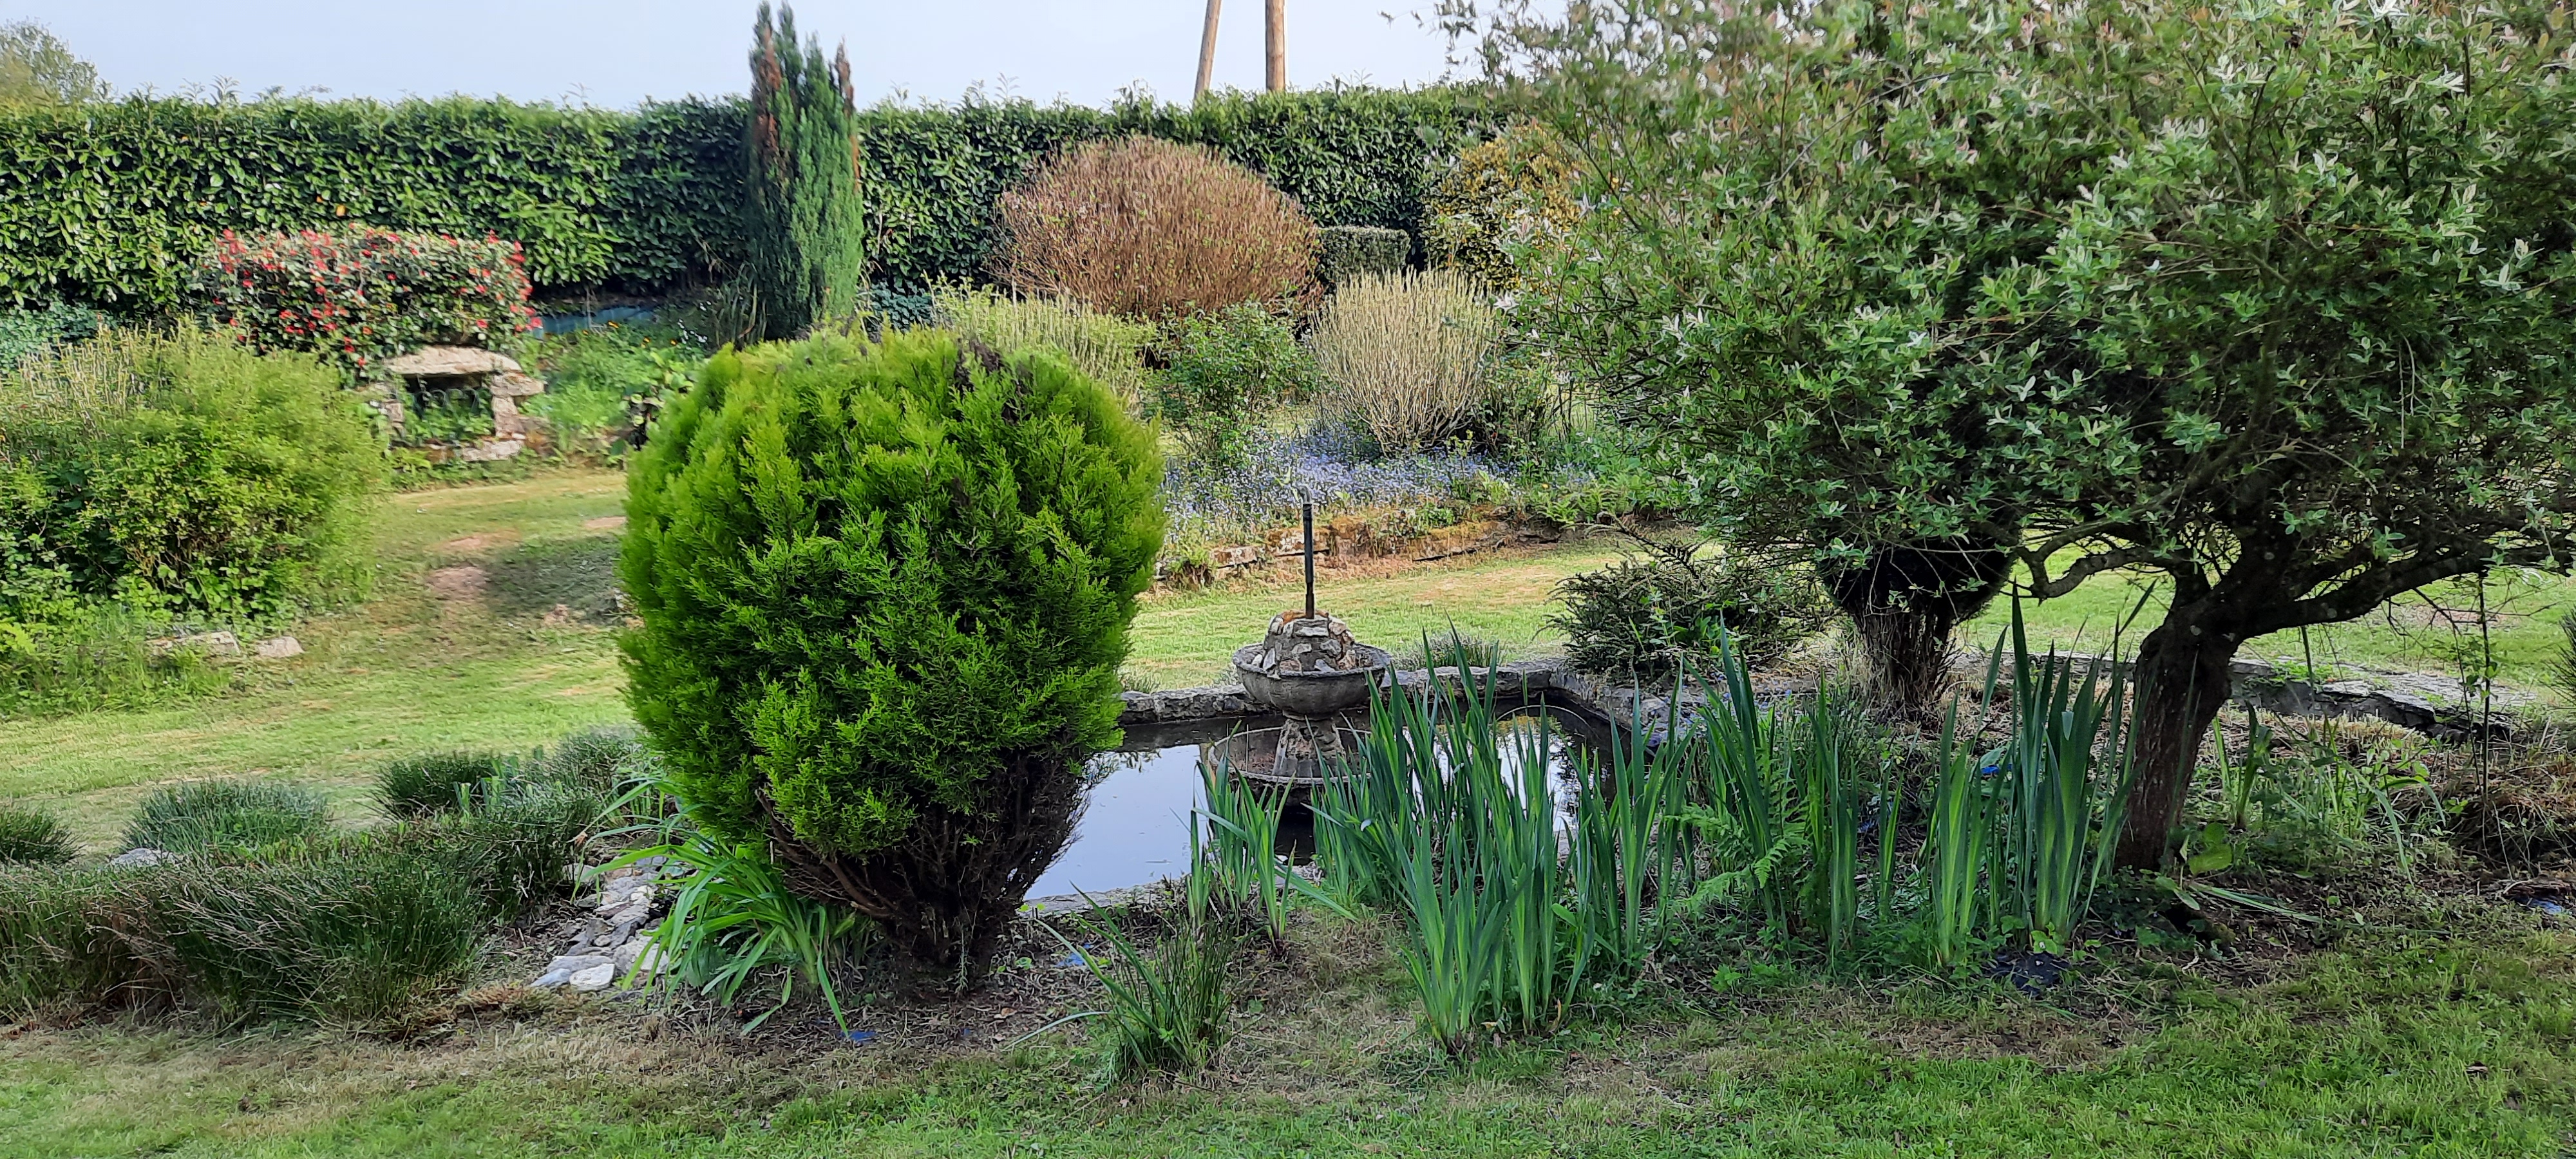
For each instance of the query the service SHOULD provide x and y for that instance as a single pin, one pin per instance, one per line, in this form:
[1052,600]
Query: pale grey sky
[616,54]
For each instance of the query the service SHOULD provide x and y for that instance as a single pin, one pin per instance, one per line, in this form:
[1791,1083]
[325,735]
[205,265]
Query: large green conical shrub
[806,231]
[885,590]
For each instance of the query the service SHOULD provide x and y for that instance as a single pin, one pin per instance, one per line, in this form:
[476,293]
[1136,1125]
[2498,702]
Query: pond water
[1135,828]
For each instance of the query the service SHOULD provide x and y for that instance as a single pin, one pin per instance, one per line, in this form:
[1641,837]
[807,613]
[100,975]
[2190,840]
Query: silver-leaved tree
[2276,301]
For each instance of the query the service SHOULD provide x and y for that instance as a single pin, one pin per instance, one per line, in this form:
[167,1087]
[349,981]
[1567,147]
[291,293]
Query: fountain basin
[1312,694]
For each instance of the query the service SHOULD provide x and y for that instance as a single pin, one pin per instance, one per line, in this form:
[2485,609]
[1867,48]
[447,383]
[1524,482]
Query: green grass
[2390,1044]
[405,674]
[1188,638]
[415,672]
[2407,635]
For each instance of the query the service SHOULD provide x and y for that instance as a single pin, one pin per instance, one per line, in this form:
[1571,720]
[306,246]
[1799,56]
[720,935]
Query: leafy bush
[1649,616]
[1503,197]
[1408,355]
[27,333]
[356,296]
[1344,252]
[1971,282]
[1151,229]
[65,654]
[211,815]
[181,474]
[31,837]
[1223,372]
[422,785]
[1108,348]
[885,590]
[805,258]
[642,201]
[603,383]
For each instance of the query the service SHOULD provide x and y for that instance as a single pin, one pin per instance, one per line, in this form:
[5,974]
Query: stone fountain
[1310,670]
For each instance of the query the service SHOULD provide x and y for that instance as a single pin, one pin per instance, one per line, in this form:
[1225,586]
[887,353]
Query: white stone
[595,978]
[278,648]
[139,858]
[449,362]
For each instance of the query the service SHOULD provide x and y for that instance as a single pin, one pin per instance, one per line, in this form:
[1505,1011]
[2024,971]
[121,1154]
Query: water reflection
[1135,831]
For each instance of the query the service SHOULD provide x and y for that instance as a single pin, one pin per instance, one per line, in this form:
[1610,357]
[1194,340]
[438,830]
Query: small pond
[1134,829]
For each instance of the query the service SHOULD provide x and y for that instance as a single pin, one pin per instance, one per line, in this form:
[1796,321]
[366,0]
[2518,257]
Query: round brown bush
[1150,228]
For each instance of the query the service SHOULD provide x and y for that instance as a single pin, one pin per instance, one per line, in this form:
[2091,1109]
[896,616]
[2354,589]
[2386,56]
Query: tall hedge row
[106,204]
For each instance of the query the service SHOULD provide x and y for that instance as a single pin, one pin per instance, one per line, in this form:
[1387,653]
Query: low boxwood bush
[210,815]
[885,591]
[354,297]
[33,837]
[435,782]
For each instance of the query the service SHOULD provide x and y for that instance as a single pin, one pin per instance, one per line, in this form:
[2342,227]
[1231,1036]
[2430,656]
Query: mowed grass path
[463,647]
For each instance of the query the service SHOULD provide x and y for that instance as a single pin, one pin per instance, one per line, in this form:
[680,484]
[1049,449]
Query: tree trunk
[2181,681]
[1904,601]
[944,895]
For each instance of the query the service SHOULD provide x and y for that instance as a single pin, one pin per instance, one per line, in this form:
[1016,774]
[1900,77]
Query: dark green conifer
[807,248]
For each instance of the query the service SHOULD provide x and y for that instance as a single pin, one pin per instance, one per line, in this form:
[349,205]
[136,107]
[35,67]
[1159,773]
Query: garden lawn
[2388,1044]
[2434,630]
[493,627]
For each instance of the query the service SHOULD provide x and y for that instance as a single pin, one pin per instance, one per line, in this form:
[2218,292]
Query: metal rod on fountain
[1310,560]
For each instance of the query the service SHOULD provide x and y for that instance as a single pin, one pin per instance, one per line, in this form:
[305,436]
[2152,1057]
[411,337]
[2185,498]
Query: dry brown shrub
[1408,355]
[1152,229]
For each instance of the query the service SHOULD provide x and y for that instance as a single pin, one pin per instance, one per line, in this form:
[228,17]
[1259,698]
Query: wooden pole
[1207,51]
[1275,38]
[1310,550]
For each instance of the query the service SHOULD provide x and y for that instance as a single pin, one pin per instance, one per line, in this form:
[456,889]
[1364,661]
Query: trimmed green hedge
[106,205]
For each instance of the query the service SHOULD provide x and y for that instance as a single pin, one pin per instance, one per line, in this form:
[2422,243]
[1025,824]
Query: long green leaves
[1168,1011]
[733,917]
[2038,816]
[1449,812]
[2061,807]
[1243,858]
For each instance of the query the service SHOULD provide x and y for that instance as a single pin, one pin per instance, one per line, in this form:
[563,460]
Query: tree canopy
[2271,300]
[37,68]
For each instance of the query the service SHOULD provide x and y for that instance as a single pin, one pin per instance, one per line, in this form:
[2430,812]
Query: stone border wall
[2255,684]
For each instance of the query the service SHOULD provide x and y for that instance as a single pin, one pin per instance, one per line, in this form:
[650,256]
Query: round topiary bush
[203,815]
[1153,229]
[885,590]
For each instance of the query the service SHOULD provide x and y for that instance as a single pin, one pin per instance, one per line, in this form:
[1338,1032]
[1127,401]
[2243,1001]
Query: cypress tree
[807,256]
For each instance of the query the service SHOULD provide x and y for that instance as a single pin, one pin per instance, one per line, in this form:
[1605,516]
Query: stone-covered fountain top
[1306,668]
[1309,666]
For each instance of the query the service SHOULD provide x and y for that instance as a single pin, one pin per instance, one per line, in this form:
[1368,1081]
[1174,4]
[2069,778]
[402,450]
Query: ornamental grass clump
[885,589]
[1153,229]
[32,837]
[1408,355]
[1107,347]
[203,816]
